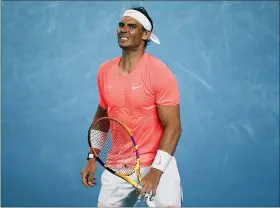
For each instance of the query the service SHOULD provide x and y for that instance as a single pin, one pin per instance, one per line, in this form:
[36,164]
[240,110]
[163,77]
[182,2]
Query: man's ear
[146,35]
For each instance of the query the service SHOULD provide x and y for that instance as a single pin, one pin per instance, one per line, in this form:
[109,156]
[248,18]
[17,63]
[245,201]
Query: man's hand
[150,182]
[88,172]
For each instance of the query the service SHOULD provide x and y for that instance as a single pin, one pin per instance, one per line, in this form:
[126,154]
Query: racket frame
[136,168]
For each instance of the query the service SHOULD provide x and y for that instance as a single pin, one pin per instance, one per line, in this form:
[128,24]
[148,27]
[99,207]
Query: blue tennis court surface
[225,56]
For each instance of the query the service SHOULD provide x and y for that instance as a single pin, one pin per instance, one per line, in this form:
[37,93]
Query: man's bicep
[100,112]
[169,115]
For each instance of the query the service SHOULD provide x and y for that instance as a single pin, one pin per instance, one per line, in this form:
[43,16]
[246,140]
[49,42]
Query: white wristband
[161,160]
[97,138]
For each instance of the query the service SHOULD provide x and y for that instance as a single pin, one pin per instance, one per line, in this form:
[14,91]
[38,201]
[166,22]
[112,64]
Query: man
[140,90]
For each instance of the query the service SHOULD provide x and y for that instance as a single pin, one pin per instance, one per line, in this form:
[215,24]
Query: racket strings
[114,144]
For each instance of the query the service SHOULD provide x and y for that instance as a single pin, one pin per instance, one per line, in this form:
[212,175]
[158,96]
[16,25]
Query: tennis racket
[115,149]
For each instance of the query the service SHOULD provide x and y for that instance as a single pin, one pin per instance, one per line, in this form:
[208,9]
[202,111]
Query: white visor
[143,20]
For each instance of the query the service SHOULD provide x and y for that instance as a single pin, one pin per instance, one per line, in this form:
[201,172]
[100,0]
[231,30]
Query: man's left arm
[168,106]
[170,119]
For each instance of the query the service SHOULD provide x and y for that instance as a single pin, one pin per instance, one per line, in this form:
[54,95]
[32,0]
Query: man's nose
[125,28]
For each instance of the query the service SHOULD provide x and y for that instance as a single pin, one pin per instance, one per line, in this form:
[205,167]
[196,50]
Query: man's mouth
[123,37]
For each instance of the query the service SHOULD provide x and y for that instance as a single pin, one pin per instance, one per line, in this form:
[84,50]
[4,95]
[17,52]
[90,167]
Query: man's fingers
[143,191]
[84,180]
[141,185]
[147,195]
[91,180]
[91,184]
[146,191]
[144,187]
[88,180]
[153,193]
[90,177]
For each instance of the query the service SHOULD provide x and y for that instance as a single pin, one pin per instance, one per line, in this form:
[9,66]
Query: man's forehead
[127,19]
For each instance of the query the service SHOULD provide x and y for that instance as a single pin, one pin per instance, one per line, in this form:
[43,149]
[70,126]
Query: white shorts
[116,192]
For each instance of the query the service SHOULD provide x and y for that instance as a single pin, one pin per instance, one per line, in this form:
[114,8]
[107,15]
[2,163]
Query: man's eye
[132,26]
[121,25]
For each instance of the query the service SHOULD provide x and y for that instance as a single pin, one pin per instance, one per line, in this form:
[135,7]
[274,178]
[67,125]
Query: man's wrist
[156,171]
[161,160]
[90,156]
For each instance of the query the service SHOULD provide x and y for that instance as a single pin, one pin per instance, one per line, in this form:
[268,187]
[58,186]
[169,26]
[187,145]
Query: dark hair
[143,11]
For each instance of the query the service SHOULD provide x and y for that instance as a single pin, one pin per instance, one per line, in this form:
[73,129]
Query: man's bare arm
[100,112]
[89,170]
[171,121]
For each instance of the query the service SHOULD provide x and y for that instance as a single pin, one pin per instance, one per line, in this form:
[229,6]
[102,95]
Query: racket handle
[139,187]
[150,203]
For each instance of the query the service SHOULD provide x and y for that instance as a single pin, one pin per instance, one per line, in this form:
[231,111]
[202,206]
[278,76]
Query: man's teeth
[124,38]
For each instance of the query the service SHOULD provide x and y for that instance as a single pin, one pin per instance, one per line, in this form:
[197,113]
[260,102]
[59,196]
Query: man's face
[130,33]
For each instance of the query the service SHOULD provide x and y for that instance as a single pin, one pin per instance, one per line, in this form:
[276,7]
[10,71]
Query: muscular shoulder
[157,67]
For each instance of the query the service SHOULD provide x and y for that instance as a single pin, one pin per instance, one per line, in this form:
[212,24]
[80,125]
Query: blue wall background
[224,55]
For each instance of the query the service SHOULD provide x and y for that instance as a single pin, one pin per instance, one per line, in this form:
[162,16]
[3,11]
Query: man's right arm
[102,105]
[100,112]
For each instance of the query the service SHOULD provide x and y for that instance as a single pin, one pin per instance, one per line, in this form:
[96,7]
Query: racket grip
[150,203]
[139,187]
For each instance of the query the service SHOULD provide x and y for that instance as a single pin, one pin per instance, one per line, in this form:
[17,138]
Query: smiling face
[130,33]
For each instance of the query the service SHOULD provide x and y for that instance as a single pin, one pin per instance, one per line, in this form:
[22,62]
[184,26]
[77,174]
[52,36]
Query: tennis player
[141,91]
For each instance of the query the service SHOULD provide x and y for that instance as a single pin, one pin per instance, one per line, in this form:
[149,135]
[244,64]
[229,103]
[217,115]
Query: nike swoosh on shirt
[135,87]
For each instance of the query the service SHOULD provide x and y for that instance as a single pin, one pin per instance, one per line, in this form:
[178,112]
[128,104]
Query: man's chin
[127,46]
[124,46]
